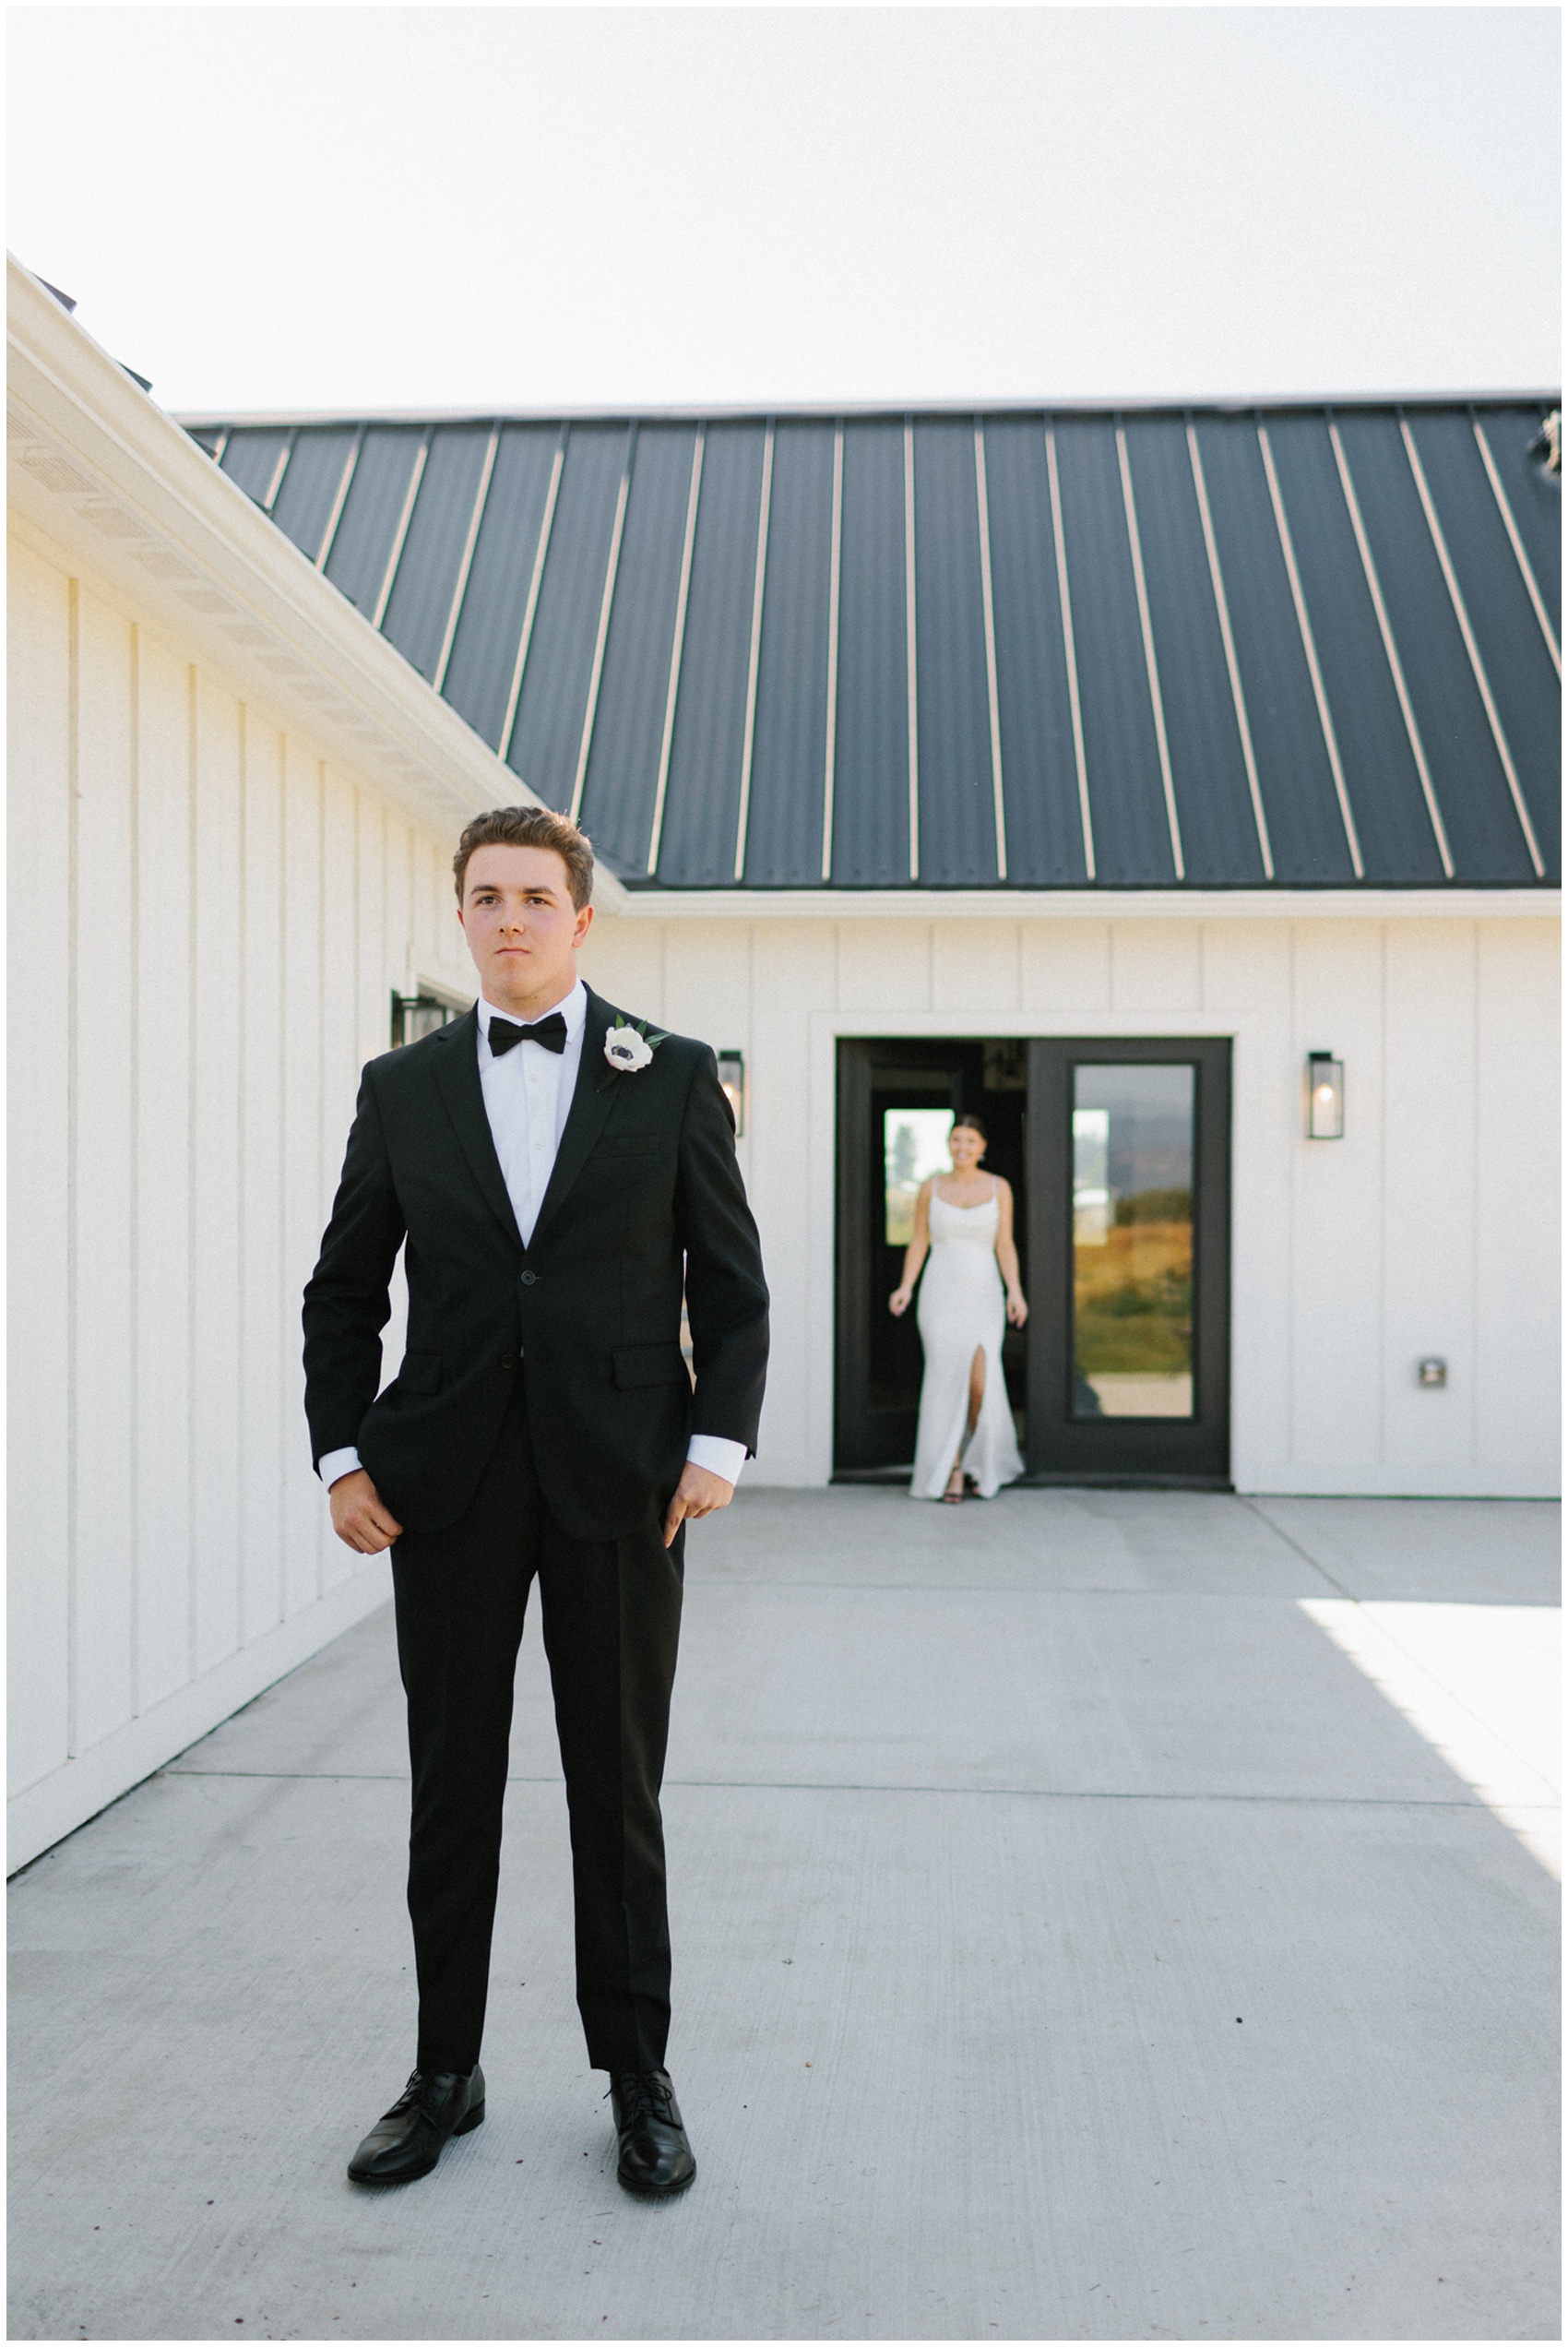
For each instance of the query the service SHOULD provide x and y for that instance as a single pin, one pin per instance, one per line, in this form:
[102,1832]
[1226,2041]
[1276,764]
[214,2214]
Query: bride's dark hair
[971,1124]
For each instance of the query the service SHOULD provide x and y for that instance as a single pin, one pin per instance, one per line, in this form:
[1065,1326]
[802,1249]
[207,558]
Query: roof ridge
[209,419]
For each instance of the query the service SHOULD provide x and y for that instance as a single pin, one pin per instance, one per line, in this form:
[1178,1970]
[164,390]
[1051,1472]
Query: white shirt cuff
[719,1455]
[714,1452]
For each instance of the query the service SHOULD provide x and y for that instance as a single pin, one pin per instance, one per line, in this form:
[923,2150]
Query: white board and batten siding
[1430,1229]
[206,919]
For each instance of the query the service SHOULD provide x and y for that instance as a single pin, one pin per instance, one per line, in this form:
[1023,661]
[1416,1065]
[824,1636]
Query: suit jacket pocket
[420,1373]
[650,1364]
[627,1145]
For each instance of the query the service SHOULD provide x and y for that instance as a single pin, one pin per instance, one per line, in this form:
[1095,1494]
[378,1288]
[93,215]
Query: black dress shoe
[656,2158]
[409,2139]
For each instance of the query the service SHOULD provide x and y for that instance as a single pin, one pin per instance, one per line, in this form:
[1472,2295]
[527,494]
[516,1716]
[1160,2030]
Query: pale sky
[370,207]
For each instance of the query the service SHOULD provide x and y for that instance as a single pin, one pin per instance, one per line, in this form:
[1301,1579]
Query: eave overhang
[1094,904]
[100,472]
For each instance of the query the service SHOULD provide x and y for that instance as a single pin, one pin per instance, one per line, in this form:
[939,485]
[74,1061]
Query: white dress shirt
[527,1098]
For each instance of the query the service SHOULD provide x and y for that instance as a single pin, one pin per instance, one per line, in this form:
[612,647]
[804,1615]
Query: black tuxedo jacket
[588,1314]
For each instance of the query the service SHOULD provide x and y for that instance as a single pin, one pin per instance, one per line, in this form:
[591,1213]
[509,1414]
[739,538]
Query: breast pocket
[628,1145]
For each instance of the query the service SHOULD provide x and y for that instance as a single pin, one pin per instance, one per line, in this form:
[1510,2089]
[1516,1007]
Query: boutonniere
[629,1047]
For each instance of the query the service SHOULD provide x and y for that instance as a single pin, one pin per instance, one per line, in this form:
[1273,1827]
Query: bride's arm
[1007,1255]
[914,1254]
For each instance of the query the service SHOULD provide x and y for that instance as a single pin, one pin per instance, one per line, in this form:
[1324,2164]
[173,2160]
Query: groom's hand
[698,1493]
[360,1517]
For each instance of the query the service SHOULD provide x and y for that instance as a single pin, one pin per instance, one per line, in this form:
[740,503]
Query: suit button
[508,1361]
[529,1277]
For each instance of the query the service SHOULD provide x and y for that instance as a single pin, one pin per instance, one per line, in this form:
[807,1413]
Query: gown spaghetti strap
[963,1306]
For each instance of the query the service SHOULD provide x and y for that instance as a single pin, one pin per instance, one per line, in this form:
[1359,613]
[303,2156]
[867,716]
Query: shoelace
[412,2096]
[642,2096]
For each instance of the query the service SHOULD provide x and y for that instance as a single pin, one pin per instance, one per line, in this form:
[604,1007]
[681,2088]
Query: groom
[556,1176]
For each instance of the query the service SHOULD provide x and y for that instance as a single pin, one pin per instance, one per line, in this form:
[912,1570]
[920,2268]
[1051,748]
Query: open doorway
[897,1102]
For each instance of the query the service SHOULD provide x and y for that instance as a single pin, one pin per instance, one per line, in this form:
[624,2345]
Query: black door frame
[1060,1449]
[872,1444]
[1194,1452]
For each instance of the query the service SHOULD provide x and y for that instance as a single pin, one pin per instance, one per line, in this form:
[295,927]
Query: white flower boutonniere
[629,1049]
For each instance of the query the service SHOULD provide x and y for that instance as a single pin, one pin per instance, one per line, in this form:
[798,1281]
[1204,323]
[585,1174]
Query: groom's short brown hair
[529,827]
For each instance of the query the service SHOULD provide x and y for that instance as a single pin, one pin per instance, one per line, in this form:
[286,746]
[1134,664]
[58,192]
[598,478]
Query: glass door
[1129,1340]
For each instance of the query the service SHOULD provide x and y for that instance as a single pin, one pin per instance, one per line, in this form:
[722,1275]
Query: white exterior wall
[207,918]
[1431,1228]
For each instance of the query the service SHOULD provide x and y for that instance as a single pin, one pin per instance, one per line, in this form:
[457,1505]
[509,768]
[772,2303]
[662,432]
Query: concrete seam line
[988,1792]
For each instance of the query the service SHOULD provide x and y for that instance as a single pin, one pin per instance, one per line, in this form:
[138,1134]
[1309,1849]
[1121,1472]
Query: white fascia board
[98,471]
[1095,904]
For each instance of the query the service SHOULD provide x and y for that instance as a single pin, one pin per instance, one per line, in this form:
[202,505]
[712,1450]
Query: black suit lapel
[457,1072]
[591,1103]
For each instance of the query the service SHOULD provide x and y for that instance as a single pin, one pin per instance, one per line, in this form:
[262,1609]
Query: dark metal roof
[1298,645]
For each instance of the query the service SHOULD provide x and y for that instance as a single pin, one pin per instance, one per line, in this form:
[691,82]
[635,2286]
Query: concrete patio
[1072,1941]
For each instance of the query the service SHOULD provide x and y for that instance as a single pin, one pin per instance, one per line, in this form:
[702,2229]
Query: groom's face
[522,927]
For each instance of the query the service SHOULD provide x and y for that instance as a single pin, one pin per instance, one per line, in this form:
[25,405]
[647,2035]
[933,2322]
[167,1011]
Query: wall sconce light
[1432,1372]
[1325,1097]
[733,1077]
[416,1016]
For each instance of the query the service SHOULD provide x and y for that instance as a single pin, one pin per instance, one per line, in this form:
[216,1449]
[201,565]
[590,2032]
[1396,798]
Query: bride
[965,1220]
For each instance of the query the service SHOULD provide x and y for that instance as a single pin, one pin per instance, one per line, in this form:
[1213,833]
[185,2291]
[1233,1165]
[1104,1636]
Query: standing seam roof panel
[251,459]
[484,650]
[1305,828]
[1219,839]
[789,753]
[1384,790]
[1045,836]
[547,738]
[702,809]
[1497,604]
[1535,498]
[1131,834]
[426,580]
[871,804]
[628,726]
[1472,791]
[363,547]
[305,502]
[957,823]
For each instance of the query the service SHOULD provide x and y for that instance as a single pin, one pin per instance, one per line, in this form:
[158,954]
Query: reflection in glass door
[1132,1241]
[1129,1167]
[914,1147]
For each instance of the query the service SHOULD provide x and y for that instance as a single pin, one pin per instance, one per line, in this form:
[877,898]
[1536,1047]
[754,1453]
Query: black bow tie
[550,1032]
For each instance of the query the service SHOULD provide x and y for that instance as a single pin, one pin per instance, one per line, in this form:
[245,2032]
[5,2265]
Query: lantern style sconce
[416,1016]
[733,1077]
[1432,1372]
[1325,1097]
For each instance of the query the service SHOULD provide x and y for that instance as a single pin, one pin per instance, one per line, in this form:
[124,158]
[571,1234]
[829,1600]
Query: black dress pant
[611,1616]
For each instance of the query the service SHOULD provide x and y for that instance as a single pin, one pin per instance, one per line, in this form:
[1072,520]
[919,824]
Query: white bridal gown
[963,1305]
